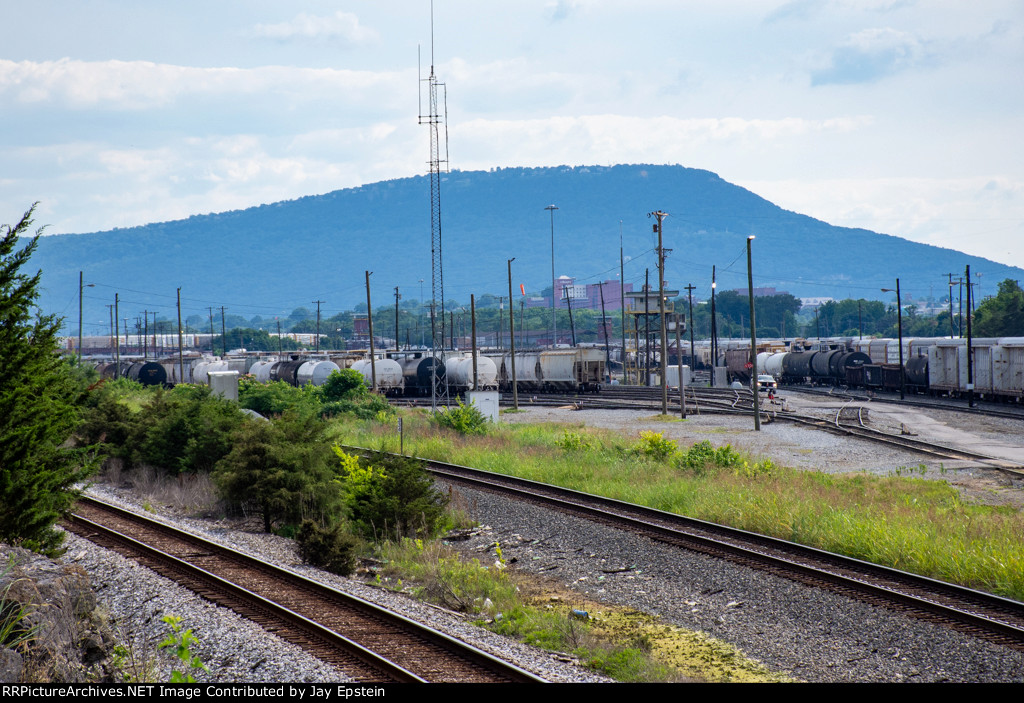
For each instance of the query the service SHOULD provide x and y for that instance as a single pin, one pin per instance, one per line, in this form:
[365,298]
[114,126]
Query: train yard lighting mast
[753,340]
[554,324]
[899,329]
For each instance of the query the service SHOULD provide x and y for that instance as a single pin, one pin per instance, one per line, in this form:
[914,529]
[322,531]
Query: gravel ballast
[802,632]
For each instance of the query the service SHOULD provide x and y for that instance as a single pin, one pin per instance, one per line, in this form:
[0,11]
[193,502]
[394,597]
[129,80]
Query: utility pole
[398,297]
[661,308]
[568,302]
[679,366]
[622,303]
[950,305]
[223,331]
[213,334]
[472,315]
[970,352]
[501,322]
[604,329]
[117,336]
[369,319]
[317,346]
[512,338]
[714,330]
[689,295]
[554,324]
[181,353]
[647,327]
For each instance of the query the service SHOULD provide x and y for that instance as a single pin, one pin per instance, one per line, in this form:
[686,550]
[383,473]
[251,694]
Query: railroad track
[959,405]
[360,638]
[739,402]
[984,615]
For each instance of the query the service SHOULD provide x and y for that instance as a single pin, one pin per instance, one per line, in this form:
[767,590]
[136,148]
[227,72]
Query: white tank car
[460,373]
[388,371]
[316,371]
[261,369]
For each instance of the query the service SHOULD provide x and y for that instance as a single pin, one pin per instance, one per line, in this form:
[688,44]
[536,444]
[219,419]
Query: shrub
[344,384]
[330,548]
[279,469]
[654,445]
[464,419]
[390,496]
[702,457]
[574,441]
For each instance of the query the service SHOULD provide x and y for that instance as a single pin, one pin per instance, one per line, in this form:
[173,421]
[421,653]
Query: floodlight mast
[434,119]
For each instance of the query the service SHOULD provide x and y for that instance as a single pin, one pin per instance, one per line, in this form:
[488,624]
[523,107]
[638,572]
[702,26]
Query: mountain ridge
[271,258]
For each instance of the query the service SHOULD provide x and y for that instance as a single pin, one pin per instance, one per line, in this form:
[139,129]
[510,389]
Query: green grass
[909,523]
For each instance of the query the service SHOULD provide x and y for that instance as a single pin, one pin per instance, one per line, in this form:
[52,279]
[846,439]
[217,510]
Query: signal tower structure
[434,119]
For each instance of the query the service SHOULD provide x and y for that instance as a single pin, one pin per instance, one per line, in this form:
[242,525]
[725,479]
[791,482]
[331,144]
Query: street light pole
[899,331]
[554,323]
[753,340]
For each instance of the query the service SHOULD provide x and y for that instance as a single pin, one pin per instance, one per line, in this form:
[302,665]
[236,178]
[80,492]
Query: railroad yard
[796,631]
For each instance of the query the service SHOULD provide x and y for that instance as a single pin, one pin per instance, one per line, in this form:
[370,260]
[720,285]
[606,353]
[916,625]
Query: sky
[898,116]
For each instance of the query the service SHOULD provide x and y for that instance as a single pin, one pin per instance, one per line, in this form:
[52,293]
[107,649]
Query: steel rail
[288,584]
[1001,619]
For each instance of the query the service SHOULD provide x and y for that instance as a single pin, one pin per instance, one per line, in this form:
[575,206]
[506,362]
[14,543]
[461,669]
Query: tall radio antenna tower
[434,119]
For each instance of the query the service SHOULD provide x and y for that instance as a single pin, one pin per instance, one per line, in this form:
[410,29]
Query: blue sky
[898,116]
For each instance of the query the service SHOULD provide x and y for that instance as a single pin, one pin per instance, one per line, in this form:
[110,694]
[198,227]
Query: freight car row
[936,366]
[401,373]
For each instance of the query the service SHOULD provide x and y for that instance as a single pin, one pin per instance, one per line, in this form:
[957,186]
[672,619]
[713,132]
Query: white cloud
[341,26]
[984,216]
[143,84]
[871,54]
[625,139]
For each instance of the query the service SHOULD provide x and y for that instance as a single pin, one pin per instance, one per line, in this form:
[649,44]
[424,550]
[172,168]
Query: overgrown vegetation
[621,644]
[344,392]
[910,523]
[464,419]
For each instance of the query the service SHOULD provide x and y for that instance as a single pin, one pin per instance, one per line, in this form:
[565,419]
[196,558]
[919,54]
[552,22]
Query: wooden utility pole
[472,315]
[117,336]
[689,297]
[223,332]
[512,338]
[369,320]
[398,296]
[604,328]
[317,346]
[181,353]
[661,308]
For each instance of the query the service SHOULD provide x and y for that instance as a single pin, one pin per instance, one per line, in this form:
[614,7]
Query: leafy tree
[1003,315]
[38,411]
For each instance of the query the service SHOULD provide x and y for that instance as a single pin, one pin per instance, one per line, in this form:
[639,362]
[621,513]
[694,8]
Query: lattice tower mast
[436,117]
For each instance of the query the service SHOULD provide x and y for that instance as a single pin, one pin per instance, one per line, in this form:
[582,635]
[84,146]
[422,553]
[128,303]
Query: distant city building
[815,302]
[582,296]
[761,292]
